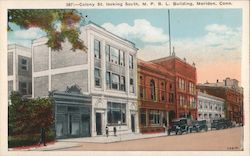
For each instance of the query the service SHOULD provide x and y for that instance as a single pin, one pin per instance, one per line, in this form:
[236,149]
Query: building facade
[185,84]
[106,73]
[156,102]
[210,107]
[231,92]
[19,70]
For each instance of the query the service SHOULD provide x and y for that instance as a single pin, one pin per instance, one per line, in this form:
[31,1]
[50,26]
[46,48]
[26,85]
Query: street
[226,139]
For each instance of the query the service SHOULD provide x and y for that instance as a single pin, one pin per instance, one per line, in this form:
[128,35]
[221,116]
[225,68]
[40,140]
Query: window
[181,100]
[23,88]
[108,80]
[122,84]
[114,55]
[115,81]
[131,85]
[116,113]
[122,58]
[97,77]
[143,117]
[97,49]
[171,98]
[131,64]
[154,117]
[24,64]
[152,90]
[107,50]
[141,92]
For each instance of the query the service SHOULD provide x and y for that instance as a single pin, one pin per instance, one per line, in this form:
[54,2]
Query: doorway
[133,123]
[98,123]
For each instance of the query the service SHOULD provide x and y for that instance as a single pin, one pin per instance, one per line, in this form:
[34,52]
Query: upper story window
[97,49]
[97,77]
[24,64]
[131,62]
[152,90]
[131,85]
[114,55]
[108,80]
[122,84]
[23,88]
[121,58]
[115,81]
[107,51]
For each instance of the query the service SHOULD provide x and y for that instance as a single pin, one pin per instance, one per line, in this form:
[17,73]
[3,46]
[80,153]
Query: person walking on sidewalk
[107,131]
[43,136]
[114,131]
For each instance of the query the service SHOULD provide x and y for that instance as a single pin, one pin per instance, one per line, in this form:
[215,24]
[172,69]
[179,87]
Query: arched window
[152,90]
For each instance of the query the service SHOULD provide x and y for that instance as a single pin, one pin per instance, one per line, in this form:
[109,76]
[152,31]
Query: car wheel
[176,132]
[168,132]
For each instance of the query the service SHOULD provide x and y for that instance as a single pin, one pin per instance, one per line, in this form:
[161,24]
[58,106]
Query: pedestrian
[43,136]
[114,131]
[107,131]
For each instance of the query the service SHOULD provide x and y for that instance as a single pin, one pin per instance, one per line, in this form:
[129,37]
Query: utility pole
[169,33]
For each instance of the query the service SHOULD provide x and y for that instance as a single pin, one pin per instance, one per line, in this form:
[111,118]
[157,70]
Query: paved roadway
[226,139]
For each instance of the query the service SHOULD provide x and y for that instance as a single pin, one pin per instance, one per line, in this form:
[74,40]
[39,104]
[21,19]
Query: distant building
[210,107]
[92,89]
[156,97]
[231,92]
[19,70]
[185,84]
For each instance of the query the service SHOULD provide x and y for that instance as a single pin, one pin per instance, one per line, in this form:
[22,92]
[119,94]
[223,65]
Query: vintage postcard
[104,77]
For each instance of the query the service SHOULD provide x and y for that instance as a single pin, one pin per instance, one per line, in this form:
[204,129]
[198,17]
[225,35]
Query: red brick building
[185,80]
[231,92]
[156,99]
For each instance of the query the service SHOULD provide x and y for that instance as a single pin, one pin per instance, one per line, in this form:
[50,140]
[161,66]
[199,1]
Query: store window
[116,113]
[154,116]
[143,117]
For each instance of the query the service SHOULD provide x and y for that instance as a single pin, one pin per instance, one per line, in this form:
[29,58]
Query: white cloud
[219,41]
[29,34]
[142,30]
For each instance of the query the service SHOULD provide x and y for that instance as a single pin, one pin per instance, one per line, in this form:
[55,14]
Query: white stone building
[210,107]
[19,69]
[107,73]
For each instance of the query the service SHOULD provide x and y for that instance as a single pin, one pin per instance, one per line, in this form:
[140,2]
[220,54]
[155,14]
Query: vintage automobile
[198,126]
[178,126]
[221,123]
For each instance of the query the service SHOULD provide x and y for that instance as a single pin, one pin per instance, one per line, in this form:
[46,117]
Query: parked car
[221,123]
[178,126]
[198,126]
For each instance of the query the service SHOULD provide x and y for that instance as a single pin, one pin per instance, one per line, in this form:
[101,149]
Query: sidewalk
[76,142]
[112,138]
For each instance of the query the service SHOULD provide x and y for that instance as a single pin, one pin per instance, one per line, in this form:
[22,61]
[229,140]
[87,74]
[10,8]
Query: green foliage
[28,116]
[26,140]
[47,19]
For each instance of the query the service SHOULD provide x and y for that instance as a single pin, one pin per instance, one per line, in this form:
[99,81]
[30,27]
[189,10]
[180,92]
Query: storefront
[72,115]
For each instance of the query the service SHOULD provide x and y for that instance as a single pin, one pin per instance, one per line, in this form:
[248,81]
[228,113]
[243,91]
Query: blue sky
[200,35]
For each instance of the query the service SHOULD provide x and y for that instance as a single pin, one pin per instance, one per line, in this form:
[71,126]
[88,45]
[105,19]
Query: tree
[48,20]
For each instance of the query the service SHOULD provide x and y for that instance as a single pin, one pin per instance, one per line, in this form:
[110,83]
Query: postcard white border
[36,4]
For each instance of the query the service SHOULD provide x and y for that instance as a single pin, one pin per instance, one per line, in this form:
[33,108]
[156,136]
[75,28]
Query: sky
[211,38]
